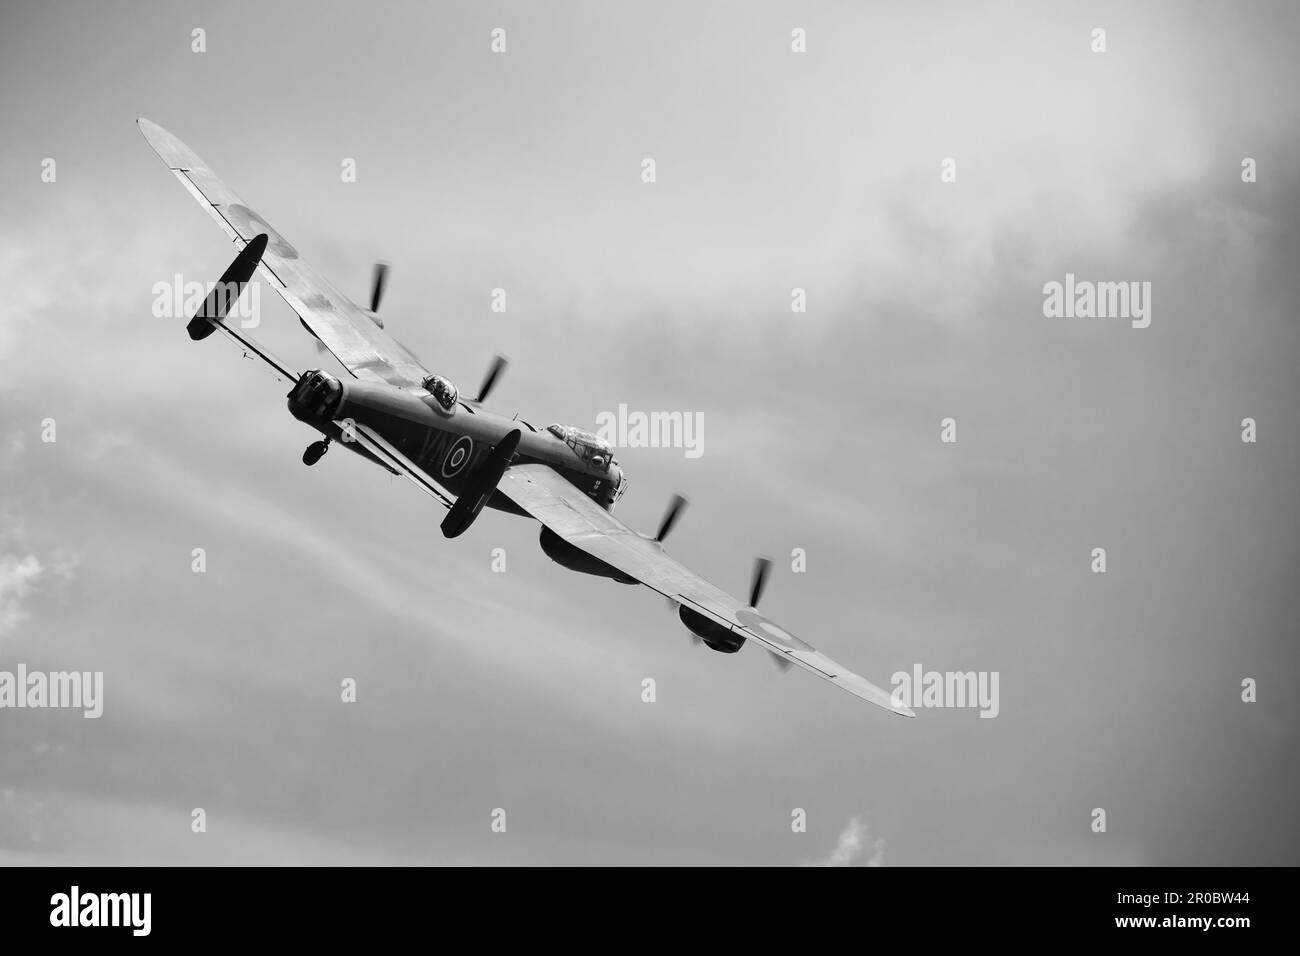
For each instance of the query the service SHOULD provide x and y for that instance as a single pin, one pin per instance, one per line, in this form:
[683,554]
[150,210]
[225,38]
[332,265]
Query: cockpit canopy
[441,391]
[593,450]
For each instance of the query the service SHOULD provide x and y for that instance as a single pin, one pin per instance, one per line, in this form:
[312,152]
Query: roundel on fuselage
[457,457]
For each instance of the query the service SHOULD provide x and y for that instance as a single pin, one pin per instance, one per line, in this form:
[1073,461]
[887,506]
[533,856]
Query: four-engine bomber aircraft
[414,423]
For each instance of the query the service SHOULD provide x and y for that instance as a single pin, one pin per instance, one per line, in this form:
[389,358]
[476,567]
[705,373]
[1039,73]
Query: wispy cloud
[855,847]
[17,580]
[524,689]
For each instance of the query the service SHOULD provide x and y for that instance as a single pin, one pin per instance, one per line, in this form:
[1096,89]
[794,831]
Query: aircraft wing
[364,349]
[562,507]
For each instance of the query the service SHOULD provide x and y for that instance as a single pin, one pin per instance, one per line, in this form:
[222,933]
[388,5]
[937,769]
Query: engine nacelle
[716,636]
[575,559]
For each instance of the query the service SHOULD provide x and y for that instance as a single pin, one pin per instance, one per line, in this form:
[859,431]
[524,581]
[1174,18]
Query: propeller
[377,285]
[670,517]
[759,581]
[499,364]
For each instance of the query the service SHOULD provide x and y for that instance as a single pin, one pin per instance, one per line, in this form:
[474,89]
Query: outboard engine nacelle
[717,636]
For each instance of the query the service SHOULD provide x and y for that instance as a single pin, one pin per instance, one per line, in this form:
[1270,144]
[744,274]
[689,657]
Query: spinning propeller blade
[759,581]
[498,366]
[670,517]
[377,285]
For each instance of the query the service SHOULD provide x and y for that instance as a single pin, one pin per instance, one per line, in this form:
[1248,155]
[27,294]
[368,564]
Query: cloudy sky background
[522,690]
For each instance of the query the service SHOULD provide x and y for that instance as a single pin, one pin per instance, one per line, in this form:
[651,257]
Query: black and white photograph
[572,434]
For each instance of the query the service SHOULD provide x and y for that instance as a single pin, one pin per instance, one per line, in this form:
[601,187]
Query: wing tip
[894,707]
[169,149]
[861,687]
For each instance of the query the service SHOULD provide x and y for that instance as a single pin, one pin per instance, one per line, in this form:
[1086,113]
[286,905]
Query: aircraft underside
[396,412]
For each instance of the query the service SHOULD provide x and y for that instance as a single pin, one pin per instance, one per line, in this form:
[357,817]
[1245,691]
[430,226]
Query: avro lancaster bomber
[414,423]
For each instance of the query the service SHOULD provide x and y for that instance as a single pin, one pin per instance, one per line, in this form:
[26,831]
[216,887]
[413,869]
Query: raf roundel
[248,223]
[770,630]
[454,462]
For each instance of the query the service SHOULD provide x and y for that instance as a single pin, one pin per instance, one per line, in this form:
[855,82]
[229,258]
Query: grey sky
[522,690]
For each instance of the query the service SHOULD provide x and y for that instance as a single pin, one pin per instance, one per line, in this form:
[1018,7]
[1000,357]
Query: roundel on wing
[249,223]
[457,457]
[773,632]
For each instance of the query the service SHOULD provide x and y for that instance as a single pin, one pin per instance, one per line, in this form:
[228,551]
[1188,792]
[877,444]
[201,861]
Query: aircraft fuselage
[448,444]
